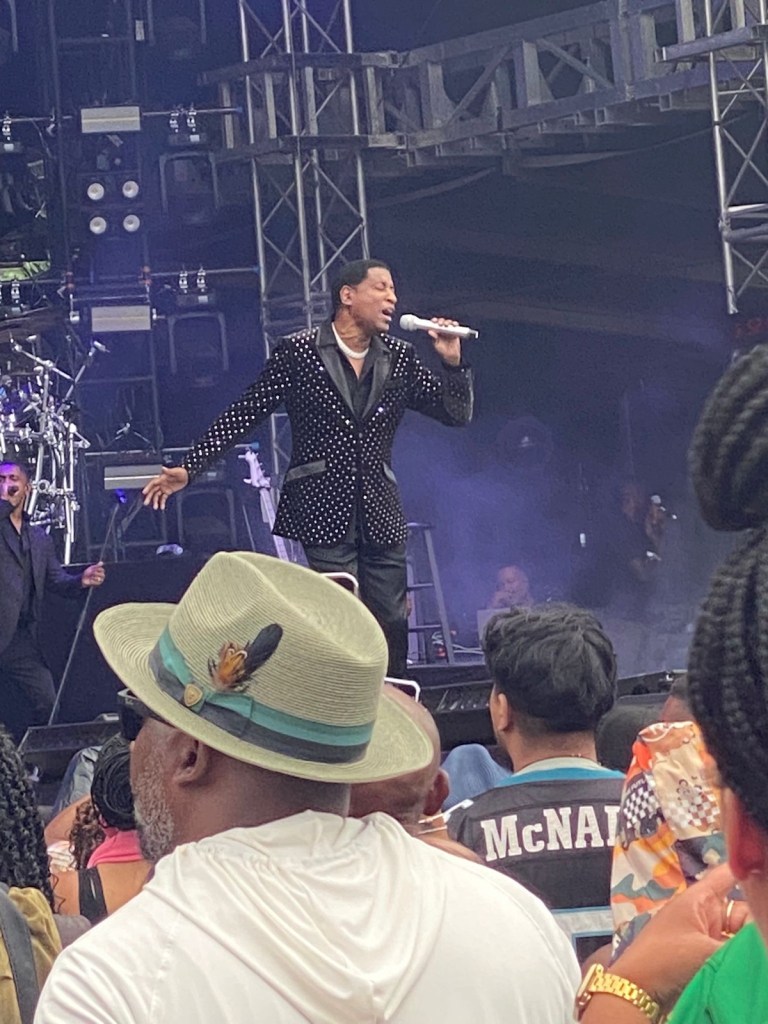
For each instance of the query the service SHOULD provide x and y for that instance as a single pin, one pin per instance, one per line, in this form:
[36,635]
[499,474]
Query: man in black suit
[345,385]
[28,567]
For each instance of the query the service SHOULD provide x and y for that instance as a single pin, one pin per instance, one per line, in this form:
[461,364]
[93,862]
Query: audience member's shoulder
[99,969]
[448,845]
[131,922]
[474,873]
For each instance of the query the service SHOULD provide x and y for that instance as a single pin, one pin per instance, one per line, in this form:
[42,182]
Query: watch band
[598,980]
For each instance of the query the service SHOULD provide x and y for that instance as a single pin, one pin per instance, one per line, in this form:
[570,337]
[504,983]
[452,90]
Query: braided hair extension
[729,452]
[111,802]
[728,668]
[23,855]
[111,786]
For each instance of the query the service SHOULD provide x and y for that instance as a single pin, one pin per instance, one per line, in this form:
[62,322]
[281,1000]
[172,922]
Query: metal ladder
[423,578]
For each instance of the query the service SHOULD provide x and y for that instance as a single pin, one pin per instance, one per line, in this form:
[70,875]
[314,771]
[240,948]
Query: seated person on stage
[109,867]
[414,799]
[513,589]
[552,824]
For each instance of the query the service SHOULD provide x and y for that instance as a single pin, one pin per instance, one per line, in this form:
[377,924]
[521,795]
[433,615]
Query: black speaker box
[447,675]
[51,747]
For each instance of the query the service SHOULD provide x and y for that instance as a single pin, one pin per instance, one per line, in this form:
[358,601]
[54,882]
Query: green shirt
[731,987]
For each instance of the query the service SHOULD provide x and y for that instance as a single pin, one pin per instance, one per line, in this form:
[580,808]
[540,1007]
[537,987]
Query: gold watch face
[584,993]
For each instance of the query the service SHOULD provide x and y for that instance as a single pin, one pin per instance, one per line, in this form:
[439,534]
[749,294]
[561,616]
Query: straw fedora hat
[271,664]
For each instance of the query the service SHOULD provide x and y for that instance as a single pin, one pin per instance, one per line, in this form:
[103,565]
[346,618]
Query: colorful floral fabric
[669,825]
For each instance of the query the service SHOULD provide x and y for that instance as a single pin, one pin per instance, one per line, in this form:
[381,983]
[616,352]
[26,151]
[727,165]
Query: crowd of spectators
[275,836]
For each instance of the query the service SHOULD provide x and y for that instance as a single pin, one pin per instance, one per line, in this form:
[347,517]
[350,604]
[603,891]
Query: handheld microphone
[409,322]
[12,491]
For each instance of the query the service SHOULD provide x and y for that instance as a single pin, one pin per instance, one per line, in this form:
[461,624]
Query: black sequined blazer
[335,453]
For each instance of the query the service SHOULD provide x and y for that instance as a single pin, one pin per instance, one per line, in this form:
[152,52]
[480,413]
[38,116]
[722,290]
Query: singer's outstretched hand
[160,488]
[447,346]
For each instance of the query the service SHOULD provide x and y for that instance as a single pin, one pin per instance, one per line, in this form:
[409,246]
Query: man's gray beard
[154,821]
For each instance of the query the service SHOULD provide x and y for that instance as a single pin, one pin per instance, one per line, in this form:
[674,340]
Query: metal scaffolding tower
[303,132]
[732,37]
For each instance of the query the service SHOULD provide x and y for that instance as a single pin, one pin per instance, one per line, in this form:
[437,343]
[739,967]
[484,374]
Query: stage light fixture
[131,223]
[98,225]
[121,319]
[95,191]
[8,143]
[130,188]
[110,120]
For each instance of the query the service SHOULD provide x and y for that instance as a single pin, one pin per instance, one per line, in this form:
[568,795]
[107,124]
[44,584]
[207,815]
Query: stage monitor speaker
[91,687]
[51,747]
[649,682]
[428,676]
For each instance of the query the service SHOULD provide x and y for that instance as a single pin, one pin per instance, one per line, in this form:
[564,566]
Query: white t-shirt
[318,918]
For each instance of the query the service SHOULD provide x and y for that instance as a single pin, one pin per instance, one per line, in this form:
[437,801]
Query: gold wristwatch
[597,979]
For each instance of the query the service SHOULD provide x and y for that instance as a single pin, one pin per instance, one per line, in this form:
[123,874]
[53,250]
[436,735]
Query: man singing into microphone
[28,567]
[345,385]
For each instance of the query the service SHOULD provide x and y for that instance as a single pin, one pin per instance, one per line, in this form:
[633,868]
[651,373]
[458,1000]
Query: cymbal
[26,325]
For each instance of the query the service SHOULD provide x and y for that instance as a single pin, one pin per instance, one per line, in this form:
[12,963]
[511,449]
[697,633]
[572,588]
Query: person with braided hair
[24,876]
[110,869]
[728,692]
[23,857]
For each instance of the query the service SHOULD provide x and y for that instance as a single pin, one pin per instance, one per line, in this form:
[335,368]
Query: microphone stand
[125,522]
[130,516]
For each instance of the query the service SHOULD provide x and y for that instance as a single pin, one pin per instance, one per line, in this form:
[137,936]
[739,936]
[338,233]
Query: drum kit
[37,425]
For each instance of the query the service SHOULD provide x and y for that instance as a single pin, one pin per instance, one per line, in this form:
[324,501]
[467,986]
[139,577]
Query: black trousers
[381,573]
[26,685]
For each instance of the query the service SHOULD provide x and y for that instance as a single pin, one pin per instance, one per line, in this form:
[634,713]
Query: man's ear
[191,760]
[502,715]
[345,294]
[438,793]
[746,842]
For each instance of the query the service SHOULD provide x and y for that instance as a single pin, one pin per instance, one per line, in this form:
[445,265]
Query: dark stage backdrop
[91,686]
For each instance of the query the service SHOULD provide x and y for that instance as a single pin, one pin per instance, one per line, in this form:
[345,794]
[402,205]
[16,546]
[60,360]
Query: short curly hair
[23,855]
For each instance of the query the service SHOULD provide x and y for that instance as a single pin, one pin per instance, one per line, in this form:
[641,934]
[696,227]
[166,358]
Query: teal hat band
[244,718]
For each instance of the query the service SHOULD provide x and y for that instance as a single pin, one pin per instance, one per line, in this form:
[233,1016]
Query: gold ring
[727,930]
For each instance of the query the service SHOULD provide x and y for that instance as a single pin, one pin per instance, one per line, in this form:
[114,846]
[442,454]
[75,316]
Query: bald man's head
[408,797]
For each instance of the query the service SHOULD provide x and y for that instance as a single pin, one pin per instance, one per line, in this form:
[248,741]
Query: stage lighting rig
[183,128]
[7,142]
[199,297]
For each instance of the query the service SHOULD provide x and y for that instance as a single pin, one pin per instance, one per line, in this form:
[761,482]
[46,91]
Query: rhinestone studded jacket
[338,461]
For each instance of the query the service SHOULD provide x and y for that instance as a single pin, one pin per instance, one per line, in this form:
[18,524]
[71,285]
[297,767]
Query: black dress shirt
[20,543]
[360,391]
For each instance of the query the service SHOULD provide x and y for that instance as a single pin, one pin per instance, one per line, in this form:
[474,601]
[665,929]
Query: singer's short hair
[352,274]
[26,471]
